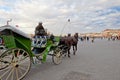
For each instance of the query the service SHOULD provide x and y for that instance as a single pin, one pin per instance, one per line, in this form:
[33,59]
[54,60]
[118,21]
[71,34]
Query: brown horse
[75,42]
[66,43]
[69,41]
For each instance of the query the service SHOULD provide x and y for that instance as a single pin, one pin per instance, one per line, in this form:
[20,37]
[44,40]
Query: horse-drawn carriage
[18,55]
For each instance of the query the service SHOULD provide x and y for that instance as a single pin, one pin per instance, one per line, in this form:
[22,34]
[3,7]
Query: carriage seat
[39,41]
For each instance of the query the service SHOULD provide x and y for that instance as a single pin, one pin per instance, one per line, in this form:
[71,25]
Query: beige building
[111,32]
[91,34]
[106,33]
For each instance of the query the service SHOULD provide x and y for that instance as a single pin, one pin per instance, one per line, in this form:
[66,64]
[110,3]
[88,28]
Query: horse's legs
[73,47]
[65,50]
[69,52]
[76,47]
[74,50]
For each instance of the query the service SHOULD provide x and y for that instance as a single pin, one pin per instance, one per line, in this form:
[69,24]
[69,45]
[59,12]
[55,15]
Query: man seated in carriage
[40,39]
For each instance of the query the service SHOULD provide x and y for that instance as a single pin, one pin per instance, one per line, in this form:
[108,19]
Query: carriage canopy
[15,38]
[10,30]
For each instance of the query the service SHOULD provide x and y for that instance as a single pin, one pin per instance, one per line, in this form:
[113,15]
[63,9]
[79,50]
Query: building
[110,32]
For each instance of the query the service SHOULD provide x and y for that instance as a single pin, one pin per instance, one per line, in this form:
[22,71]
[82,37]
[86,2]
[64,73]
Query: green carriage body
[14,38]
[12,41]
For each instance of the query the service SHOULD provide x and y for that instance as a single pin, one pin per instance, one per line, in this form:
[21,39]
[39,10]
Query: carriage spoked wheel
[14,64]
[5,60]
[57,56]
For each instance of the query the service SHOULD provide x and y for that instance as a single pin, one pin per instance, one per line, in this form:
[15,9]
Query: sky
[61,16]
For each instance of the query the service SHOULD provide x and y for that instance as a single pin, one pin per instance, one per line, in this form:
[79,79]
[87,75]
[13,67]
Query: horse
[65,45]
[75,42]
[67,42]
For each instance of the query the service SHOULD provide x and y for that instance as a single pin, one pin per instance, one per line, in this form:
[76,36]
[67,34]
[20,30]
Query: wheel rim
[19,65]
[57,57]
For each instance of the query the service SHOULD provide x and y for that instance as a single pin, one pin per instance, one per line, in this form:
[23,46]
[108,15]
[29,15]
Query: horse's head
[69,35]
[76,35]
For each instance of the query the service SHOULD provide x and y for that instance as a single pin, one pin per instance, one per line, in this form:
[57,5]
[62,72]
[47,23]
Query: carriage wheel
[57,56]
[5,60]
[15,64]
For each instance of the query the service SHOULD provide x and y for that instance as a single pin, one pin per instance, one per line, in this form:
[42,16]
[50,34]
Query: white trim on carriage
[14,29]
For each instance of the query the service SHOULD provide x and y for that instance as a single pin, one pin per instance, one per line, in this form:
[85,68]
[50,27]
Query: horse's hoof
[65,55]
[74,52]
[69,56]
